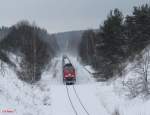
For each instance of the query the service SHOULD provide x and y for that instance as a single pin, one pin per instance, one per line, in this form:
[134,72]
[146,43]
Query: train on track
[69,74]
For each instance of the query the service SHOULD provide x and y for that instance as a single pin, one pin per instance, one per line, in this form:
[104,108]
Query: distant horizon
[54,32]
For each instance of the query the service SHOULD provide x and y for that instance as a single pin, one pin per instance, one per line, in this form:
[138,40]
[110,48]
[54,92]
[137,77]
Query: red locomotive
[69,76]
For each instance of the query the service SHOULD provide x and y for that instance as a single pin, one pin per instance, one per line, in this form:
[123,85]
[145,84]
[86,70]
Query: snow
[23,98]
[49,95]
[15,59]
[89,69]
[111,101]
[66,61]
[61,104]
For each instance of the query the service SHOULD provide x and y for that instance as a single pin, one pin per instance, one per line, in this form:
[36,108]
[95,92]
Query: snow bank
[111,101]
[89,69]
[23,98]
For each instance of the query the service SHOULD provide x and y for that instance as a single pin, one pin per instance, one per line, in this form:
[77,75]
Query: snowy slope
[111,100]
[21,98]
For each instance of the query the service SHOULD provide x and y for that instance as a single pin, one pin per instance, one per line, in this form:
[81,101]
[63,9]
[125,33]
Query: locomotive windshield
[68,66]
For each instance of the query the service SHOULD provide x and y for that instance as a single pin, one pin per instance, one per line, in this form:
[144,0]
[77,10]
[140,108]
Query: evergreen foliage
[119,39]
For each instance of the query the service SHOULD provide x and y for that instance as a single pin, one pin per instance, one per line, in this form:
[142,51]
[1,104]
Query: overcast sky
[62,15]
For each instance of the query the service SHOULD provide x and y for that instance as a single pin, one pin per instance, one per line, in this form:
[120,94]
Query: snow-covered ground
[62,106]
[49,95]
[22,98]
[111,100]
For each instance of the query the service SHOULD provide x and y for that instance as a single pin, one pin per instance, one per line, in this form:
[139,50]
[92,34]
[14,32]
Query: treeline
[33,44]
[69,41]
[119,39]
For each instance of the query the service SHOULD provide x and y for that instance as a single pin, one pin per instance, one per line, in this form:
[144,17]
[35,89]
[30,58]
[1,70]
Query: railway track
[75,101]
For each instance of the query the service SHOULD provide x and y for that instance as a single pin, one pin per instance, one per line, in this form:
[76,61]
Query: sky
[63,15]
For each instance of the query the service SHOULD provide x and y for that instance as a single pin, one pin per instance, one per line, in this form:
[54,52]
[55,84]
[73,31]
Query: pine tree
[112,37]
[87,46]
[138,26]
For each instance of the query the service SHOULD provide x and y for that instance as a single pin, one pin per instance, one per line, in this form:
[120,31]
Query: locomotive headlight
[69,74]
[66,75]
[72,75]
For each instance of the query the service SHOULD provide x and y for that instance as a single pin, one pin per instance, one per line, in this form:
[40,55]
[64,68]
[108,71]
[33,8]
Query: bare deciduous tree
[140,84]
[2,68]
[143,69]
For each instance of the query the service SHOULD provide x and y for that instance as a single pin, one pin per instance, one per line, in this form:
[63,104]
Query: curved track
[76,102]
[75,111]
[80,100]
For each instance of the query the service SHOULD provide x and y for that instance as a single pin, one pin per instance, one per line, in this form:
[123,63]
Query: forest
[118,40]
[33,46]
